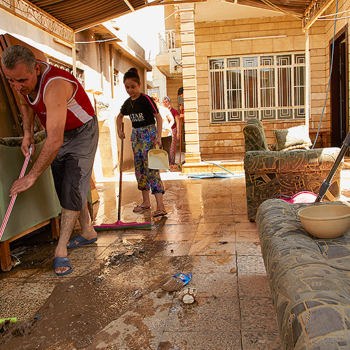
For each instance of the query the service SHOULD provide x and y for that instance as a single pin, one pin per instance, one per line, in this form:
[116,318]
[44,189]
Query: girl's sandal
[139,208]
[159,213]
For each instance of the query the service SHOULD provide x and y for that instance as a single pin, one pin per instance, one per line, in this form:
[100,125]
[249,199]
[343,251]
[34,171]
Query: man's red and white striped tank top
[79,107]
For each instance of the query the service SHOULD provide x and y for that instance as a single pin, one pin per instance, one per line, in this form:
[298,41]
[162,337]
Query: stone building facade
[277,38]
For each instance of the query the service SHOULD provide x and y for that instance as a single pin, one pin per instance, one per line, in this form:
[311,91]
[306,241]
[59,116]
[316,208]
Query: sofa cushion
[295,161]
[292,138]
[309,279]
[254,136]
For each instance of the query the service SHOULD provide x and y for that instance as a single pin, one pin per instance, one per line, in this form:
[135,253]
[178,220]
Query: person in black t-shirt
[146,133]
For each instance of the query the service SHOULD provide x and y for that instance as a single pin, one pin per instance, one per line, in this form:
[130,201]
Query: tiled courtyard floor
[113,299]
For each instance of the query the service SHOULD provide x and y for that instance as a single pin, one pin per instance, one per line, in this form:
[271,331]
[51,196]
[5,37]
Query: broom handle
[120,173]
[327,183]
[180,140]
[13,198]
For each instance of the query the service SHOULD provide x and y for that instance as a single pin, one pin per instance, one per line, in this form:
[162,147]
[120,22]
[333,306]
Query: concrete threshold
[235,164]
[214,166]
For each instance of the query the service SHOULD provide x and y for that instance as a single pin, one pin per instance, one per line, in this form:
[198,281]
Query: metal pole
[307,78]
[120,174]
[325,185]
[74,57]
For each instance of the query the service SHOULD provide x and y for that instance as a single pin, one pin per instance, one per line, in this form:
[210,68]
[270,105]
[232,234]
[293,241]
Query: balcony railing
[167,41]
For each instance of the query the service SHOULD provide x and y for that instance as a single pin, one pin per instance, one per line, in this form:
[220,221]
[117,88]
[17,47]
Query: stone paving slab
[207,314]
[204,340]
[206,232]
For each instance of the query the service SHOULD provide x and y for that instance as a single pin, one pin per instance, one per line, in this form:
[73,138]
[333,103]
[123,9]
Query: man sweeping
[64,109]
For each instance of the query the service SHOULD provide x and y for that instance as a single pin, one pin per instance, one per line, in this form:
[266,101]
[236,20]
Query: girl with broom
[146,133]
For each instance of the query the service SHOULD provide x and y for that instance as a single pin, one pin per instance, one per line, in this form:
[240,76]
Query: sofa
[271,173]
[34,207]
[309,279]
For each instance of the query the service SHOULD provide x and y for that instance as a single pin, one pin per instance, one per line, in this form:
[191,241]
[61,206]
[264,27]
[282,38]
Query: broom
[119,225]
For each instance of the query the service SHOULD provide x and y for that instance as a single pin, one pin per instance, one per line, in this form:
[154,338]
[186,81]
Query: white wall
[159,81]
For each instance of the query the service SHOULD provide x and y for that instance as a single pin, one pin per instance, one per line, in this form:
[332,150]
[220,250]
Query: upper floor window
[67,67]
[268,87]
[153,91]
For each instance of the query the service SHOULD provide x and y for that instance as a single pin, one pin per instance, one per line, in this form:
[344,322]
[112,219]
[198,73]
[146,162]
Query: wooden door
[339,90]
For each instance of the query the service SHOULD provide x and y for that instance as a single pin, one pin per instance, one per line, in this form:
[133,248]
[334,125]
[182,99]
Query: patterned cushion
[292,138]
[17,141]
[294,161]
[268,173]
[254,136]
[309,279]
[272,172]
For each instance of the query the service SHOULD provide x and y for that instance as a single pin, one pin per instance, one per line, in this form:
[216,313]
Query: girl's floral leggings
[142,140]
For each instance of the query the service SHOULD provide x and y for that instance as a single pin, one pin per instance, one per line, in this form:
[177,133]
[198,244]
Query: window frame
[254,63]
[80,73]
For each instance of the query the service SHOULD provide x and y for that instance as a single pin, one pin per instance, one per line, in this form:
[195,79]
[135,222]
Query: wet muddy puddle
[77,310]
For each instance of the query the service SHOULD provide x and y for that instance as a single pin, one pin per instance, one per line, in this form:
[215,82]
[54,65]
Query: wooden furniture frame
[7,40]
[5,255]
[324,136]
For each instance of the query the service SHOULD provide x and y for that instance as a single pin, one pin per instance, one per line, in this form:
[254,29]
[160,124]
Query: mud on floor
[76,311]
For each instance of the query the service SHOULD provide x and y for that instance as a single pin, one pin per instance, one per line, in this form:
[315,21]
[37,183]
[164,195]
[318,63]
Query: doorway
[339,89]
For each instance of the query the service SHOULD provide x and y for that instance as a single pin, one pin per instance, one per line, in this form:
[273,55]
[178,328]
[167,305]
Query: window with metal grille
[268,87]
[67,67]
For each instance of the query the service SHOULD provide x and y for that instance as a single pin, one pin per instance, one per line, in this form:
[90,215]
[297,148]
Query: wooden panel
[7,121]
[11,98]
[5,256]
[7,40]
[55,227]
[11,40]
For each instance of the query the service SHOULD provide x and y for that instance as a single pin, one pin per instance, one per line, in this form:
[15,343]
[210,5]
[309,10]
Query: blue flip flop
[81,240]
[62,262]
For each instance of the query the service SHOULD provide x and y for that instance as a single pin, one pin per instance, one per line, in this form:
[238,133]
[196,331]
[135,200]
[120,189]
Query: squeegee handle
[326,183]
[120,173]
[180,124]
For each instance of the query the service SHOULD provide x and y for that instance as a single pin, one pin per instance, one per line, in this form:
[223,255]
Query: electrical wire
[332,14]
[332,19]
[171,15]
[330,75]
[275,7]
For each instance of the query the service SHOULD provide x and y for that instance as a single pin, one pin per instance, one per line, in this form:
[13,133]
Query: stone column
[189,76]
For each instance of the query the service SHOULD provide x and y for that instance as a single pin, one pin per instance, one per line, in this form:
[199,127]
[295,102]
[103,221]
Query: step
[215,166]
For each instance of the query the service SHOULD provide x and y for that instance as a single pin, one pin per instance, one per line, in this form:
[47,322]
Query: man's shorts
[72,167]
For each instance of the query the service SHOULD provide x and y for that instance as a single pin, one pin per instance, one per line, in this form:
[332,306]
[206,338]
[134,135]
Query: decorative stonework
[313,11]
[37,17]
[189,75]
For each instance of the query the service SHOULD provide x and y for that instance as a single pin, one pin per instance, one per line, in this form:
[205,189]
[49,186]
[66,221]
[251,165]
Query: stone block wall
[214,39]
[172,86]
[343,7]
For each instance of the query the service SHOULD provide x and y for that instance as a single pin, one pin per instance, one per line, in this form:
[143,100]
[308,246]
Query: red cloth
[79,107]
[174,112]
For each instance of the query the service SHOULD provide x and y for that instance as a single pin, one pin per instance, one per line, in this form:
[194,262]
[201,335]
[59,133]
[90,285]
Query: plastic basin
[325,221]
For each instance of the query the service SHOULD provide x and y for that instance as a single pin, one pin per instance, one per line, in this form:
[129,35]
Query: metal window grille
[268,87]
[153,91]
[67,67]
